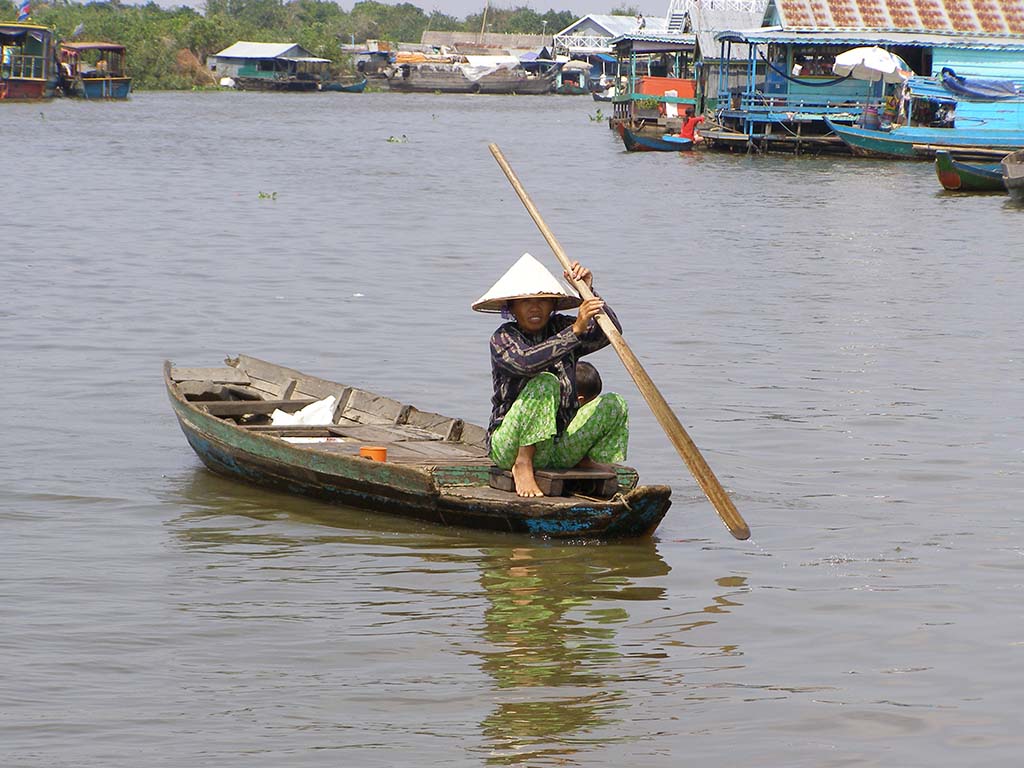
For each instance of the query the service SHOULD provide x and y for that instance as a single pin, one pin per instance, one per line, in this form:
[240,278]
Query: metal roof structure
[616,25]
[709,17]
[1001,18]
[592,33]
[642,43]
[871,37]
[246,50]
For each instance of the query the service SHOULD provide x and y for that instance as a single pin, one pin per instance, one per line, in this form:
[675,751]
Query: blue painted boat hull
[342,88]
[636,143]
[106,87]
[912,142]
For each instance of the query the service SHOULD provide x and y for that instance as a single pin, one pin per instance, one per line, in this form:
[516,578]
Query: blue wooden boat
[335,85]
[94,70]
[667,143]
[967,117]
[437,468]
[957,176]
[908,142]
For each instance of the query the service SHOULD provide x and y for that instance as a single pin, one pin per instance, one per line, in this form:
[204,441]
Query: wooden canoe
[437,468]
[1012,167]
[345,87]
[668,143]
[957,176]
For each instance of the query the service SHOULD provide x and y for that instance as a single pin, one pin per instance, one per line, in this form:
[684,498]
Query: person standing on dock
[535,417]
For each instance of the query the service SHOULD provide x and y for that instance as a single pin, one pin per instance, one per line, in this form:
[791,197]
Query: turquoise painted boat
[908,142]
[957,176]
[967,117]
[336,85]
[436,468]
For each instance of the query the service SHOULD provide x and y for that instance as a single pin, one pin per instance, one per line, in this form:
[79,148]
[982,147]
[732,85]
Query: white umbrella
[872,64]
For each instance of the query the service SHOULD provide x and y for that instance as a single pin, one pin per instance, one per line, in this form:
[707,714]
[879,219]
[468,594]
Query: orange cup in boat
[374,452]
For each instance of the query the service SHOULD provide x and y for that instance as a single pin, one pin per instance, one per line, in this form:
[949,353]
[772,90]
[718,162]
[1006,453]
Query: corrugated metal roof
[976,17]
[618,25]
[707,20]
[639,39]
[246,50]
[852,37]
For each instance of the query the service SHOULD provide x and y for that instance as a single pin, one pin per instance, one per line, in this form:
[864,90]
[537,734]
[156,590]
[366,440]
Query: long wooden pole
[676,432]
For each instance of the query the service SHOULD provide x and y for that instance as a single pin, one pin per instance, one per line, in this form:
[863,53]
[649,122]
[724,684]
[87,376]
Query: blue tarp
[982,88]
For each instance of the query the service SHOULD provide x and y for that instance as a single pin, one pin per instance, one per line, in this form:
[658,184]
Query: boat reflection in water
[558,625]
[573,641]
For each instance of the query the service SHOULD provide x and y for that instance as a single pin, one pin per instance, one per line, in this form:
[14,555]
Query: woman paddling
[533,366]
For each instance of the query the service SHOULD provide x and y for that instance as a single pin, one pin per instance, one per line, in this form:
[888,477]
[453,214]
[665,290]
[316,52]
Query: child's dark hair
[588,381]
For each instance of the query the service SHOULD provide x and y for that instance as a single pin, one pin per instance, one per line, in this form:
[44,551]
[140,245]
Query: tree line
[168,46]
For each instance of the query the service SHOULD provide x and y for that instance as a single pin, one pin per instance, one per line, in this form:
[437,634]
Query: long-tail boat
[95,70]
[28,62]
[437,468]
[636,142]
[957,176]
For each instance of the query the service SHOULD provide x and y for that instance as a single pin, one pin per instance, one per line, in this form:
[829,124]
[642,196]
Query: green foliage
[520,20]
[167,47]
[625,10]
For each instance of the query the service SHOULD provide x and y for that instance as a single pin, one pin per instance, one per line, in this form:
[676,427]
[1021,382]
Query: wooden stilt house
[789,89]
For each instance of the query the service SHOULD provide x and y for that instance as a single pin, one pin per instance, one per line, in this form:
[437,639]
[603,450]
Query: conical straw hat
[527,277]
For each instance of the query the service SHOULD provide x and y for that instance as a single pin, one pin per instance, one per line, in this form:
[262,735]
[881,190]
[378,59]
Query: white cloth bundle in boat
[315,414]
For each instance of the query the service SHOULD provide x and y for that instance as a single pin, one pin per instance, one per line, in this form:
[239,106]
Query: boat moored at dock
[1013,174]
[665,143]
[966,117]
[957,176]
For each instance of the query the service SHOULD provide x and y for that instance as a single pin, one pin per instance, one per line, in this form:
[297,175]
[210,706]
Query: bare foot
[589,463]
[526,483]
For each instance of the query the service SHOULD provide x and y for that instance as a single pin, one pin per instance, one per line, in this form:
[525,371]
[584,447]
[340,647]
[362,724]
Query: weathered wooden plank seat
[213,375]
[563,482]
[242,407]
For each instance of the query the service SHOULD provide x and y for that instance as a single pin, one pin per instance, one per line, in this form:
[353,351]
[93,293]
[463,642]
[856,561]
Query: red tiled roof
[996,17]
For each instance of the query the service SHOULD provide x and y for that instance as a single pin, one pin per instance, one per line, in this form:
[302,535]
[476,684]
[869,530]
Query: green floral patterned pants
[600,430]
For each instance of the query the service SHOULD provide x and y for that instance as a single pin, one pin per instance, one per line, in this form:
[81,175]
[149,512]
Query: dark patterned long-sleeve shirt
[516,357]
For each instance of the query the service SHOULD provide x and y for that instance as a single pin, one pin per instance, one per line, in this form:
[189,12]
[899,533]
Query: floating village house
[657,79]
[789,87]
[590,39]
[674,62]
[269,62]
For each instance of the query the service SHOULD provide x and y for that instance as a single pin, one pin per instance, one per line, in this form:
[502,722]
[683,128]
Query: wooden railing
[25,67]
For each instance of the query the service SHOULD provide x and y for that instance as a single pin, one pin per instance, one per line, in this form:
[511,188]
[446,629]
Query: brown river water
[840,337]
